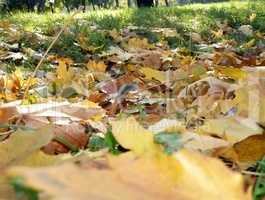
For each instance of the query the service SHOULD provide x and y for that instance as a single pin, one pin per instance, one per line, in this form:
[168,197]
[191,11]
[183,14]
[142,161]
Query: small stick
[46,53]
[253,173]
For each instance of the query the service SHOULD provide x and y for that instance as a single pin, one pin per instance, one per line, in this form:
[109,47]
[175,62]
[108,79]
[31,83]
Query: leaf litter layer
[133,117]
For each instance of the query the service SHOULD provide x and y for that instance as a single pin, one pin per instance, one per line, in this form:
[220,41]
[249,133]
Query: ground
[159,103]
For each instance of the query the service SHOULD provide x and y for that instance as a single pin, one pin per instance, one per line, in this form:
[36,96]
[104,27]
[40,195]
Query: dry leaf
[233,129]
[230,72]
[137,43]
[7,113]
[196,37]
[127,131]
[72,134]
[64,74]
[246,152]
[153,74]
[96,66]
[22,144]
[132,177]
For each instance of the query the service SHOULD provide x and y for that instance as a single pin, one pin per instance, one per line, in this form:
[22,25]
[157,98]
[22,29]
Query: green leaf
[259,189]
[22,191]
[198,70]
[69,92]
[112,143]
[171,141]
[96,143]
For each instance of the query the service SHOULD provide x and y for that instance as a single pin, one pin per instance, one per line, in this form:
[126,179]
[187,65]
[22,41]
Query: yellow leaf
[250,101]
[132,136]
[139,43]
[187,175]
[252,17]
[138,174]
[115,35]
[89,104]
[96,66]
[232,129]
[218,34]
[40,159]
[22,144]
[64,74]
[230,72]
[5,24]
[249,44]
[153,74]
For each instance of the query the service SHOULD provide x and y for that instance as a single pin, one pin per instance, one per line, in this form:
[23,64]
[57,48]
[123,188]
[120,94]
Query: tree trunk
[145,3]
[83,2]
[117,3]
[41,5]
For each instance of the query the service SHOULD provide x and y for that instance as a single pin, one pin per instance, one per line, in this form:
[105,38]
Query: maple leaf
[96,66]
[64,74]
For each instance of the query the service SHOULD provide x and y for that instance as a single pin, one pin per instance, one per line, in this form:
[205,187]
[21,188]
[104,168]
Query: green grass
[199,17]
[259,189]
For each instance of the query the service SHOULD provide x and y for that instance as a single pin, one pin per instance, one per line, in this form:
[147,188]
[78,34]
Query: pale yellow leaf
[186,175]
[132,135]
[137,43]
[64,74]
[96,66]
[233,129]
[153,74]
[22,144]
[230,72]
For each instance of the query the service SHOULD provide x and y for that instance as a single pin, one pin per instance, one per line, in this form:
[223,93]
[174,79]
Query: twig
[253,173]
[61,139]
[13,126]
[46,53]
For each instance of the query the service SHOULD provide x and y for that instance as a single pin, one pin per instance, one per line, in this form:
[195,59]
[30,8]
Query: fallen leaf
[22,144]
[96,66]
[246,30]
[127,130]
[137,43]
[246,152]
[153,74]
[70,137]
[232,129]
[130,177]
[64,74]
[196,37]
[230,72]
[6,113]
[138,174]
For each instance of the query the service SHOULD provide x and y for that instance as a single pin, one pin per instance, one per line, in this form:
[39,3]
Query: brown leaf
[247,152]
[112,86]
[152,60]
[6,113]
